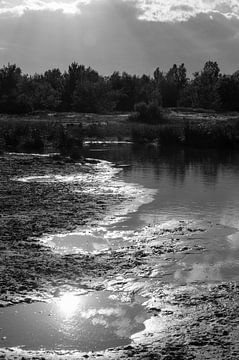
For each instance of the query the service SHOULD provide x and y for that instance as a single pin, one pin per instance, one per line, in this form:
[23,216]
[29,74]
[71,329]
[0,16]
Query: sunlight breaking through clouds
[151,10]
[19,7]
[182,10]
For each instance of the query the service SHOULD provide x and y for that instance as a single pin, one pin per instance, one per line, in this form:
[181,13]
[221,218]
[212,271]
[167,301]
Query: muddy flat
[100,260]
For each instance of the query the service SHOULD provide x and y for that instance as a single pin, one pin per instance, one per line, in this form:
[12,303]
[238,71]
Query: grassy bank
[31,135]
[66,132]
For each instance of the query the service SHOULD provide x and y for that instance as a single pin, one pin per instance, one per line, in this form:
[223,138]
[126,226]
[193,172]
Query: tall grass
[147,113]
[20,135]
[221,135]
[37,136]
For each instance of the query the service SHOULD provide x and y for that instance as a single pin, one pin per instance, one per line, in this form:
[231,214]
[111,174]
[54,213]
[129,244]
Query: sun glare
[68,304]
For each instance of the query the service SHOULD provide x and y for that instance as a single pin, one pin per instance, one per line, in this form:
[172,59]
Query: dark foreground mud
[196,321]
[29,210]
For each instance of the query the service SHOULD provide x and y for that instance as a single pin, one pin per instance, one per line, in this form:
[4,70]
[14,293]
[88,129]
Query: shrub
[147,113]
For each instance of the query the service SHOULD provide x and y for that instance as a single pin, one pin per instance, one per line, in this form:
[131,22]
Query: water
[91,322]
[165,186]
[190,184]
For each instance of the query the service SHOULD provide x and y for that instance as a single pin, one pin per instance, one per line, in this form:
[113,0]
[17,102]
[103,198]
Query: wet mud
[196,320]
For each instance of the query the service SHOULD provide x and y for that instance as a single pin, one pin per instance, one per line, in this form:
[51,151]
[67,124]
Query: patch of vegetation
[147,113]
[20,135]
[202,135]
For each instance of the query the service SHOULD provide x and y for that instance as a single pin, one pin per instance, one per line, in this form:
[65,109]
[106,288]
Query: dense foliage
[82,89]
[21,135]
[147,113]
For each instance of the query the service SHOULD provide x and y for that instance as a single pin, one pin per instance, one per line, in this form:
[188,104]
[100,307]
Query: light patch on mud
[234,240]
[107,142]
[151,234]
[73,243]
[201,272]
[230,219]
[98,178]
[96,173]
[155,328]
[33,154]
[134,196]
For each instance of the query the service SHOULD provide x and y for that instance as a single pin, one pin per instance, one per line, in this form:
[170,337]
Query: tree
[227,93]
[204,86]
[171,85]
[10,77]
[94,97]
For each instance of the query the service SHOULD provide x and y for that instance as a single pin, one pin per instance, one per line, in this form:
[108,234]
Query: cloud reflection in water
[97,313]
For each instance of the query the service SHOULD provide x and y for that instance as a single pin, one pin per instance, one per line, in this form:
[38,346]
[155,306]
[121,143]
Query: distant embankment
[65,132]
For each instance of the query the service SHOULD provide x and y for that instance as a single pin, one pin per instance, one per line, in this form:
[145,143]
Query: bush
[147,113]
[17,135]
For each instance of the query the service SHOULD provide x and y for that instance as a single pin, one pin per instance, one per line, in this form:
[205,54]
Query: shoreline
[133,269]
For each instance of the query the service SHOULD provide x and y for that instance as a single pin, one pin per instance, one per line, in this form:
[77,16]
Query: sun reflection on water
[68,304]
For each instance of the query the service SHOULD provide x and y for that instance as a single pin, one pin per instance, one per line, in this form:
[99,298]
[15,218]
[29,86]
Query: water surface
[183,184]
[190,184]
[91,322]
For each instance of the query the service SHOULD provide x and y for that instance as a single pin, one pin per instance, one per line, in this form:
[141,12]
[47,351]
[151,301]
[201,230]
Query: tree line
[82,89]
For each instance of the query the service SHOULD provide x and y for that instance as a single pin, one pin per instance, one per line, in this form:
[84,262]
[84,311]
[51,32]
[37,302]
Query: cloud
[178,10]
[108,35]
[149,10]
[19,7]
[182,7]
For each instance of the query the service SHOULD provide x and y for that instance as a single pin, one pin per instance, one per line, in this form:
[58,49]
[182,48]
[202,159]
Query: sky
[126,35]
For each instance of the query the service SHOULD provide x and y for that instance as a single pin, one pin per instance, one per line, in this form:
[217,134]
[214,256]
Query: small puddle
[233,241]
[74,243]
[91,322]
[219,263]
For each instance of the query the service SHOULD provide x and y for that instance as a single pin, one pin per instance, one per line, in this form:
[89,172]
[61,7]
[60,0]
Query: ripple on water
[91,322]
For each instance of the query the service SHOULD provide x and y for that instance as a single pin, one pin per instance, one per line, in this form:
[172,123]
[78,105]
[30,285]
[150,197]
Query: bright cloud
[108,35]
[151,10]
[19,7]
[182,10]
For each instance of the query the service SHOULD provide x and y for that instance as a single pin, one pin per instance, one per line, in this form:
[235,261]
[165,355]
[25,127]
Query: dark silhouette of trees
[171,85]
[82,89]
[201,91]
[10,77]
[227,92]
